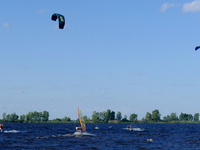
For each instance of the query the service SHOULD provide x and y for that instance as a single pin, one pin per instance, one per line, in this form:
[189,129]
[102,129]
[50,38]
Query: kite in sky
[196,48]
[61,20]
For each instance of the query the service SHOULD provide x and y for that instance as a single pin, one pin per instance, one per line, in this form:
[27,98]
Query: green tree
[45,116]
[85,118]
[40,116]
[119,115]
[155,115]
[133,117]
[144,120]
[4,117]
[185,117]
[167,118]
[196,117]
[14,117]
[112,115]
[66,119]
[36,116]
[8,117]
[29,117]
[148,116]
[57,120]
[95,117]
[108,115]
[102,116]
[125,119]
[22,118]
[181,117]
[190,117]
[173,117]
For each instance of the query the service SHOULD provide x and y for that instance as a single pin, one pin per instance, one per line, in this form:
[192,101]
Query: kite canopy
[81,121]
[61,19]
[196,48]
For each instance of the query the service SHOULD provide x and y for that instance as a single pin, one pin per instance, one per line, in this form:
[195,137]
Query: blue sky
[128,56]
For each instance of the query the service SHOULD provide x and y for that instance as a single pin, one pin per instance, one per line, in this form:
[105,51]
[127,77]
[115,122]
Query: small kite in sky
[61,20]
[196,48]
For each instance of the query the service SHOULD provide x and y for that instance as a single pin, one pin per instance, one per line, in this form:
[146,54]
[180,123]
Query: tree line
[155,116]
[173,117]
[101,117]
[32,117]
[28,118]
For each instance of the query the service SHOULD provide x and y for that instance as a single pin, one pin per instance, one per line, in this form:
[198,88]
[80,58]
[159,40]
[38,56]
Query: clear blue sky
[128,56]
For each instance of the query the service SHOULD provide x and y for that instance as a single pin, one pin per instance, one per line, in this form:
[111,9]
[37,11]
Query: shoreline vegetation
[102,117]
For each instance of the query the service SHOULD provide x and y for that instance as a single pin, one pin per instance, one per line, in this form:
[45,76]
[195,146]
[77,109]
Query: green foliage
[190,117]
[196,117]
[85,118]
[22,118]
[167,118]
[185,117]
[98,117]
[107,115]
[10,117]
[66,119]
[112,115]
[155,115]
[125,119]
[119,115]
[14,117]
[148,116]
[95,117]
[133,117]
[101,117]
[30,117]
[57,120]
[4,117]
[45,116]
[172,117]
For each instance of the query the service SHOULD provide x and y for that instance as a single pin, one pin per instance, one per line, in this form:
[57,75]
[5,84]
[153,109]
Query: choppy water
[100,136]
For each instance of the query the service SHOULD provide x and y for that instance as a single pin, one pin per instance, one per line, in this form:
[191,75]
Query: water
[100,136]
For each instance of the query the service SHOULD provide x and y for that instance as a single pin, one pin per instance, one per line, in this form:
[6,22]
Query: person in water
[1,126]
[129,128]
[77,128]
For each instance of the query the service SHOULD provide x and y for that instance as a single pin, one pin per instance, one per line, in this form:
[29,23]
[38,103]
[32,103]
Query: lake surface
[100,136]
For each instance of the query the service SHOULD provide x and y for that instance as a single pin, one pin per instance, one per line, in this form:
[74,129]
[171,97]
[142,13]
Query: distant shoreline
[102,117]
[113,121]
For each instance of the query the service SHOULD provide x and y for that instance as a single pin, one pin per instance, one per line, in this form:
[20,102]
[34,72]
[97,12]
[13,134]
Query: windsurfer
[1,126]
[77,128]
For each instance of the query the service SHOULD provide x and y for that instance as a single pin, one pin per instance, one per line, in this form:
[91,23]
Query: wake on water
[11,131]
[83,134]
[133,129]
[75,134]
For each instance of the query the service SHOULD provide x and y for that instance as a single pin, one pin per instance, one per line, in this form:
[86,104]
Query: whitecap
[150,140]
[133,129]
[77,133]
[11,131]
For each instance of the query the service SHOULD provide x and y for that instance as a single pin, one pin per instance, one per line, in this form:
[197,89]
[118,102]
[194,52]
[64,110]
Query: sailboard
[81,120]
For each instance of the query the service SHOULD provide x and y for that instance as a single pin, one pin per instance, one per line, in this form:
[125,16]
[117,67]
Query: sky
[128,56]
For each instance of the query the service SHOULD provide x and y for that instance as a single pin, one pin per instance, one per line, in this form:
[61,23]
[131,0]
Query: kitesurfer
[129,128]
[1,126]
[77,128]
